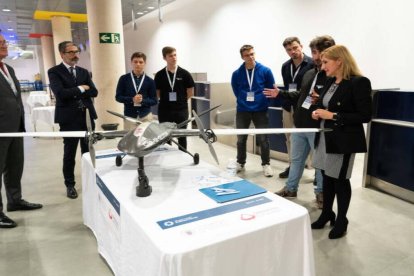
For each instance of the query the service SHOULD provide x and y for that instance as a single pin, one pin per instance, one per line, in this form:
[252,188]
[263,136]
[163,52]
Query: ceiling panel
[17,23]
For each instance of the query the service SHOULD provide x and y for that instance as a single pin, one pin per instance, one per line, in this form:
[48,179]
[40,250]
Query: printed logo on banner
[177,221]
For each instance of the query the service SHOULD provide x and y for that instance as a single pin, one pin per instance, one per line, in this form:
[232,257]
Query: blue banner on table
[232,191]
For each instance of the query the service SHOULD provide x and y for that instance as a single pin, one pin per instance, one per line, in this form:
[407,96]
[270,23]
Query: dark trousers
[260,120]
[174,116]
[11,167]
[70,146]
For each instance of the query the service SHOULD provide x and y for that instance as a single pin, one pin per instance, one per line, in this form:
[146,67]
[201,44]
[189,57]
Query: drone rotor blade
[199,115]
[90,136]
[130,119]
[204,136]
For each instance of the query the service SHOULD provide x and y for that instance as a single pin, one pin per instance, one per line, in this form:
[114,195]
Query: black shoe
[323,219]
[339,230]
[6,222]
[284,174]
[23,205]
[71,192]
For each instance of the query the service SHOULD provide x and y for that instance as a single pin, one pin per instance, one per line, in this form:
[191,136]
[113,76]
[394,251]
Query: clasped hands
[137,99]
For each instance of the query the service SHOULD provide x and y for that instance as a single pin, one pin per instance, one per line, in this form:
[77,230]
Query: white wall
[208,34]
[25,69]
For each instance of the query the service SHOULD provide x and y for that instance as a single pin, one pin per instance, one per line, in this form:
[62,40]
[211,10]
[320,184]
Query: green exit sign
[114,38]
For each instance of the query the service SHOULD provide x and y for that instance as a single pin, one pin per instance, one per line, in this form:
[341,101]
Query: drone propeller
[199,115]
[204,136]
[91,138]
[133,120]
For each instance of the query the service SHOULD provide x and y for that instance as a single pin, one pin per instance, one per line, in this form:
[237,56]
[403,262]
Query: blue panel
[391,154]
[277,141]
[395,105]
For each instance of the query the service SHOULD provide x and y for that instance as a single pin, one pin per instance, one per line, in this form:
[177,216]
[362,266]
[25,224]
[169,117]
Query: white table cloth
[45,114]
[38,98]
[268,236]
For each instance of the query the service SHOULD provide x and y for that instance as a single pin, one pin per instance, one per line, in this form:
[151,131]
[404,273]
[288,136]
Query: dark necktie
[72,72]
[2,68]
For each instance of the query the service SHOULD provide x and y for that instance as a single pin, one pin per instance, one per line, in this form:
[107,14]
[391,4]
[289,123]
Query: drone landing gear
[143,189]
[195,156]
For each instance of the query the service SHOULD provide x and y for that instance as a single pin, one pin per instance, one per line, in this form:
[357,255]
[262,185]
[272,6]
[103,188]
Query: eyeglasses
[72,52]
[4,43]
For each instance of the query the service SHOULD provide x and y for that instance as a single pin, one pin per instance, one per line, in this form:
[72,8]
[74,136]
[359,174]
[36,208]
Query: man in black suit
[11,148]
[74,90]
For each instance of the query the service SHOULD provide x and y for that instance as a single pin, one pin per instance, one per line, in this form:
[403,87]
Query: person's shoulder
[55,68]
[286,63]
[360,80]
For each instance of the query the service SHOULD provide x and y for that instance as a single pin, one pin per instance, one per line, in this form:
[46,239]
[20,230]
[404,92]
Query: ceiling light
[145,11]
[6,10]
[150,8]
[140,13]
[10,29]
[11,35]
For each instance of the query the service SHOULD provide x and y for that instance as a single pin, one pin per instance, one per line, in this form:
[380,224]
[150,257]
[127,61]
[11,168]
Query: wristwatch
[335,116]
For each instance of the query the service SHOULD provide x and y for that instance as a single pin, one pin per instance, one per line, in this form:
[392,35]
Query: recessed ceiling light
[150,8]
[140,13]
[10,29]
[145,11]
[11,35]
[6,10]
[140,4]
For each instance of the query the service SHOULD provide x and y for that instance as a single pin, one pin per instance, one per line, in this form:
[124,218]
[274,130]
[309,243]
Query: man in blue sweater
[136,91]
[248,83]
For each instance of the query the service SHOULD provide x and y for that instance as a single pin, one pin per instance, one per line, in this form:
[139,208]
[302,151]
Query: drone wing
[246,131]
[133,120]
[67,134]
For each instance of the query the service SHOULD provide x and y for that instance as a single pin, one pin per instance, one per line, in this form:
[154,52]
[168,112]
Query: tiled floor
[54,241]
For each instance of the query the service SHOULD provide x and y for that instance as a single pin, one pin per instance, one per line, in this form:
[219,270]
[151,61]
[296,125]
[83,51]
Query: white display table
[46,114]
[38,98]
[180,231]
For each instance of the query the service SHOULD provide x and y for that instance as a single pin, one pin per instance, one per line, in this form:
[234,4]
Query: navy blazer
[11,106]
[352,102]
[68,95]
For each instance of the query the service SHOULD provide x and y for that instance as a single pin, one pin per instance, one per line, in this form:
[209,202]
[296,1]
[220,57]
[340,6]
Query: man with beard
[74,90]
[292,74]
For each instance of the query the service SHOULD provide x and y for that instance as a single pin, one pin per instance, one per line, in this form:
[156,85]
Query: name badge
[293,87]
[172,96]
[250,97]
[135,104]
[307,103]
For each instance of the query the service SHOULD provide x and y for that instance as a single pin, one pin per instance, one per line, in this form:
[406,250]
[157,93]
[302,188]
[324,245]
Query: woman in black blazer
[344,105]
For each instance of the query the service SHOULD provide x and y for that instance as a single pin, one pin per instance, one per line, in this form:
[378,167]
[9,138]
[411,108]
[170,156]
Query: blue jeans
[260,120]
[301,145]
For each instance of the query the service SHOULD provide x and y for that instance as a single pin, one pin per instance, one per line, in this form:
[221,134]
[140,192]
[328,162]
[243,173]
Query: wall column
[61,30]
[48,55]
[107,59]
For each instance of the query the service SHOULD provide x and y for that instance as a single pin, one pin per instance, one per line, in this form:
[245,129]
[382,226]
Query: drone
[148,136]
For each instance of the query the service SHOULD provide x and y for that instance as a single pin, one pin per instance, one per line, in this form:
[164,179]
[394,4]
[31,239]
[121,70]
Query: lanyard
[250,81]
[296,72]
[313,83]
[9,79]
[135,84]
[169,79]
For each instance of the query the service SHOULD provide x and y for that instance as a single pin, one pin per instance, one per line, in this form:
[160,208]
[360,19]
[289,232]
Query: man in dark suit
[11,149]
[74,90]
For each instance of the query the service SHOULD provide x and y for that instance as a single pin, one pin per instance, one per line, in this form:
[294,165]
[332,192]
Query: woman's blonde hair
[349,66]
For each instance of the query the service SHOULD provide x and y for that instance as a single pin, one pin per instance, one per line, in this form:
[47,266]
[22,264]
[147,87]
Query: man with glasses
[248,83]
[11,148]
[74,90]
[292,74]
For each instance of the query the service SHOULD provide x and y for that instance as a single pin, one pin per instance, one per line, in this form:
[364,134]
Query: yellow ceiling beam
[47,15]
